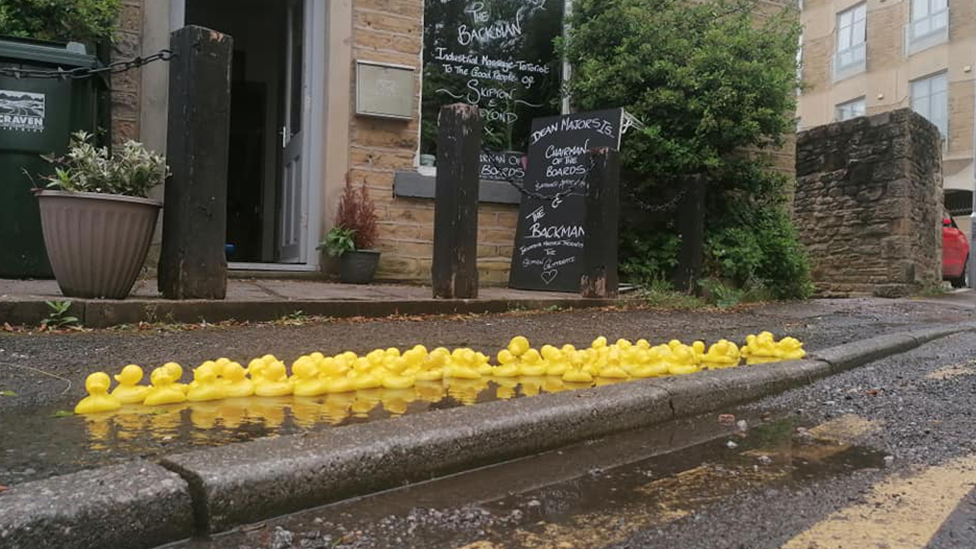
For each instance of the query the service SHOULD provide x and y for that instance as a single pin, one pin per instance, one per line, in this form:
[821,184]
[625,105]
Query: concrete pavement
[22,302]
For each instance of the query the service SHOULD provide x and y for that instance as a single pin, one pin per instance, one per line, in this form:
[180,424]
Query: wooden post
[192,264]
[691,229]
[454,272]
[599,277]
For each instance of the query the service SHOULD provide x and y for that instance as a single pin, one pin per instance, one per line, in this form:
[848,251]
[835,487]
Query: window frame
[840,108]
[914,98]
[856,50]
[933,35]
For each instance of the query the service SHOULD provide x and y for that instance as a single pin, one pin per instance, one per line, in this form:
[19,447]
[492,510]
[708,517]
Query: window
[850,109]
[851,42]
[928,17]
[930,98]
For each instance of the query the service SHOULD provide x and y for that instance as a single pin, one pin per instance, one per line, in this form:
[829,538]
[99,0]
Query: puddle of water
[590,495]
[36,443]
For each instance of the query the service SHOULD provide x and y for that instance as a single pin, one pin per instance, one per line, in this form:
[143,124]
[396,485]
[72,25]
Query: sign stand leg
[599,277]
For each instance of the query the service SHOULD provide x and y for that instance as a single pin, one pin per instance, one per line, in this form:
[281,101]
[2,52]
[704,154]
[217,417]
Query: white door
[293,216]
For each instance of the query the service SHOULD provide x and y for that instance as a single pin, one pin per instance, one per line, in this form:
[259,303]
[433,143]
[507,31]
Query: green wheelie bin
[37,116]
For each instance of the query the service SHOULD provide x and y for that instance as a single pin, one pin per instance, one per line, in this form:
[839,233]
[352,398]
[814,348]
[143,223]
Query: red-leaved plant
[357,214]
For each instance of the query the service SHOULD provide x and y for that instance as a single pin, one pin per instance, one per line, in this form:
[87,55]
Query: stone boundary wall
[868,204]
[126,86]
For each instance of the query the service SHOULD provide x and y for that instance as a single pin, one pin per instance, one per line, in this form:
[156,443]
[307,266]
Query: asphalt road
[883,456]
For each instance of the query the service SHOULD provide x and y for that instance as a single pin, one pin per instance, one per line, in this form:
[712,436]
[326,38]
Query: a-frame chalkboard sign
[549,239]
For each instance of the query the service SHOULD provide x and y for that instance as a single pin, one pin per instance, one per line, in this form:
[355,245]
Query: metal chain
[87,72]
[520,187]
[663,207]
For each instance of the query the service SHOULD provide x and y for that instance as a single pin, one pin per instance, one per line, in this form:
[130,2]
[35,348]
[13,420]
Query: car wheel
[963,280]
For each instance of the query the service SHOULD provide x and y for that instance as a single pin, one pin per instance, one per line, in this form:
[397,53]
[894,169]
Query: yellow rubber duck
[274,381]
[518,345]
[790,348]
[163,390]
[362,381]
[98,399]
[307,382]
[430,391]
[532,364]
[719,355]
[507,364]
[219,365]
[254,369]
[176,373]
[612,371]
[206,386]
[599,343]
[394,381]
[682,361]
[577,376]
[129,391]
[337,407]
[531,385]
[396,401]
[366,400]
[236,384]
[698,347]
[339,384]
[506,387]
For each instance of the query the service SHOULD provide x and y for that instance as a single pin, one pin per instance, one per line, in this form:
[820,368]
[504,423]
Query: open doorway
[267,187]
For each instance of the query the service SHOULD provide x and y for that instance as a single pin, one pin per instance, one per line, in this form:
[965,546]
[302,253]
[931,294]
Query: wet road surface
[46,372]
[883,456]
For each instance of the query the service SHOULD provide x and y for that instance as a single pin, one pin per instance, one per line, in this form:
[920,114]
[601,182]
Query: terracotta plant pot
[97,243]
[358,267]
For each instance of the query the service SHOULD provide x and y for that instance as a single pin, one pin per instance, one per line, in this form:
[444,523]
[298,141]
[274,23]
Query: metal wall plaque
[385,91]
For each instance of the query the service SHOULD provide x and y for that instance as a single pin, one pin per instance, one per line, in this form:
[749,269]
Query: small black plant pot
[358,267]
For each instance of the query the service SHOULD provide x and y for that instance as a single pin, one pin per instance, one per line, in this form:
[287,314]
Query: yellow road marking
[956,370]
[902,512]
[671,498]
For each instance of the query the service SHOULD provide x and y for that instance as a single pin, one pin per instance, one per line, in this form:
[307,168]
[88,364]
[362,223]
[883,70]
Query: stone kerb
[868,204]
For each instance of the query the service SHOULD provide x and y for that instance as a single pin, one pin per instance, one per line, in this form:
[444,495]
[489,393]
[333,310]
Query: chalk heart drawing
[549,276]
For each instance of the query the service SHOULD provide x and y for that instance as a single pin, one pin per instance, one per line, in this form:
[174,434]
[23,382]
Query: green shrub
[87,21]
[709,80]
[132,170]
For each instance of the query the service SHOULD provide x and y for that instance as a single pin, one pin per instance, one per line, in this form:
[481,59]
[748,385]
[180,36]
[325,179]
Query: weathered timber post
[192,264]
[599,277]
[691,229]
[454,271]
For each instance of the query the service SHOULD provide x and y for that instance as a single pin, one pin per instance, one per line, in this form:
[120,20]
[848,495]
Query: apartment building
[863,57]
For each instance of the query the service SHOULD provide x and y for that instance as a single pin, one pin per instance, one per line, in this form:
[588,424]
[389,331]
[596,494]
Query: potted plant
[97,218]
[353,237]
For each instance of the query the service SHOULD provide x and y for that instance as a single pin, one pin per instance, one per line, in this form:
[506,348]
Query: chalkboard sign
[497,54]
[549,238]
[503,166]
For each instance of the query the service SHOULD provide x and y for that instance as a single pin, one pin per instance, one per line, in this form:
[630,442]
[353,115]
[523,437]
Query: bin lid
[26,51]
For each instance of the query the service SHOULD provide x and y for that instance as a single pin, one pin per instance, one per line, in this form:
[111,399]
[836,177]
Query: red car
[955,253]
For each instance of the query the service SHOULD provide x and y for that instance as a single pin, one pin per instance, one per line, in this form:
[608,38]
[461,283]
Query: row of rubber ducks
[316,374]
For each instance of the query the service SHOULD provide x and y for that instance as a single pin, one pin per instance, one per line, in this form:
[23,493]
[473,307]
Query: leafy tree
[60,20]
[709,80]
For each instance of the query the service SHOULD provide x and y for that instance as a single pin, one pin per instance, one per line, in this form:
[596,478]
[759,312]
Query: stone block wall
[126,86]
[868,204]
[392,32]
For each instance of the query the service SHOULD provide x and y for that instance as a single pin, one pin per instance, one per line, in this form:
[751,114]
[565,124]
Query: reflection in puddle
[36,444]
[590,495]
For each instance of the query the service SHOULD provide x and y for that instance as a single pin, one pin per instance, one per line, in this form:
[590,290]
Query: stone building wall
[868,204]
[392,31]
[126,86]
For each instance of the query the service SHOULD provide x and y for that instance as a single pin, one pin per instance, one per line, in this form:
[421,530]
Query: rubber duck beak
[118,378]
